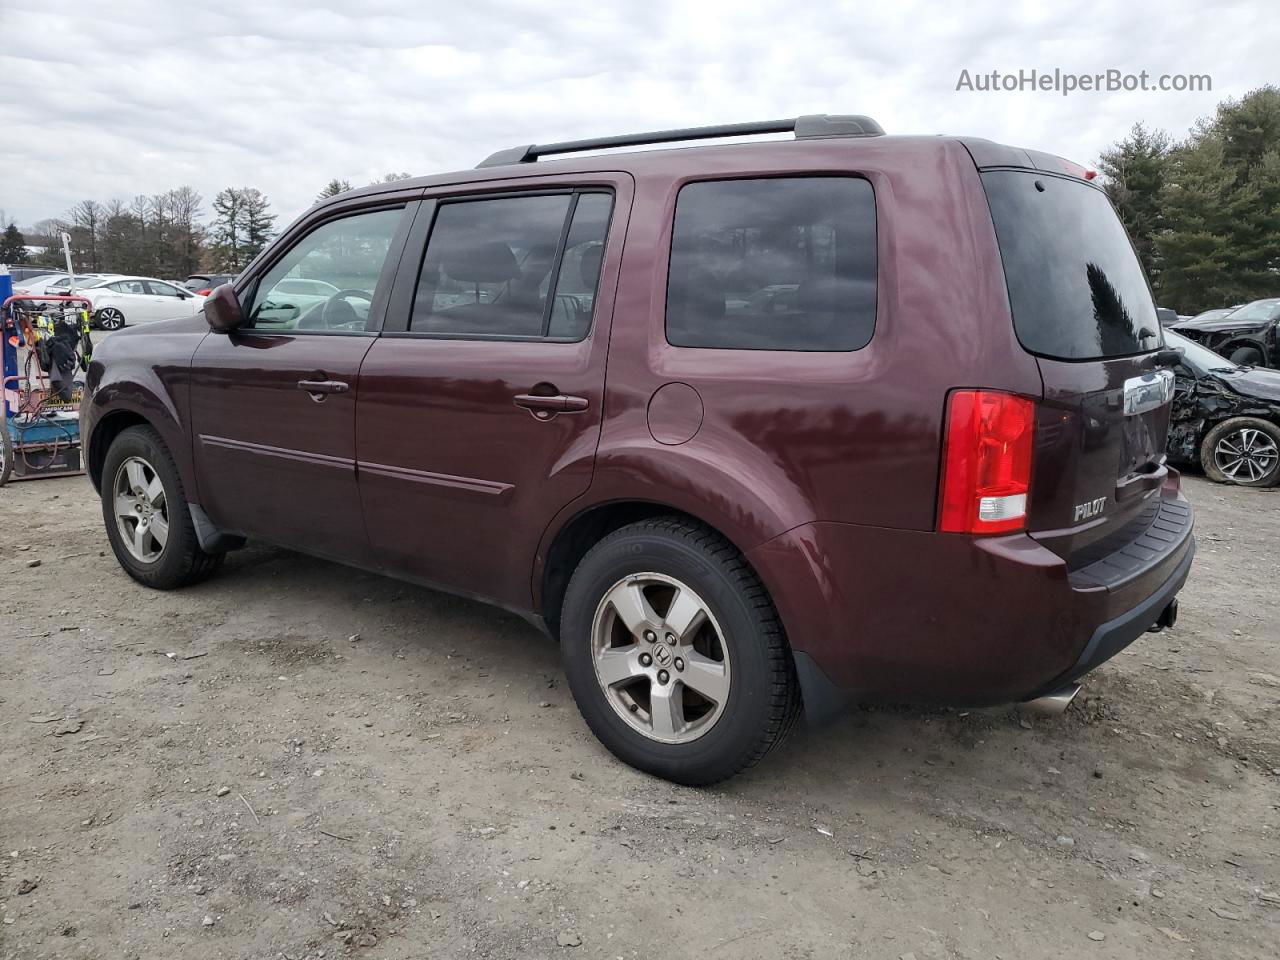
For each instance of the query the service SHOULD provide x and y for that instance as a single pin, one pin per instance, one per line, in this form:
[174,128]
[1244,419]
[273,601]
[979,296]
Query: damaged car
[1226,416]
[1245,335]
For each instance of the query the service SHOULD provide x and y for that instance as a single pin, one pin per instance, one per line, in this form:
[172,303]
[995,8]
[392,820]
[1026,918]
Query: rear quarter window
[773,264]
[1076,288]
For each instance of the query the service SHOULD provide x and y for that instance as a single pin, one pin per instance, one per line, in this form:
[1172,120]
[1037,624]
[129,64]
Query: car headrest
[589,265]
[485,261]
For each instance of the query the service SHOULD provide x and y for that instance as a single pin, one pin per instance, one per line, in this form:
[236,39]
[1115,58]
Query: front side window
[343,260]
[519,267]
[773,264]
[163,289]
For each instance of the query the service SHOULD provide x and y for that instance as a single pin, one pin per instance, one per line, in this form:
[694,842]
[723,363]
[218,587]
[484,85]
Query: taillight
[986,462]
[205,292]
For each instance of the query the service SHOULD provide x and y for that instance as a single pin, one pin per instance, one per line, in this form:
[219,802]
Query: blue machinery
[45,351]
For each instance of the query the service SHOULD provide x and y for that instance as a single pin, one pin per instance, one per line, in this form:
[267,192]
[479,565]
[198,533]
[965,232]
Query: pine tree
[228,233]
[258,221]
[1134,170]
[1221,205]
[13,246]
[333,188]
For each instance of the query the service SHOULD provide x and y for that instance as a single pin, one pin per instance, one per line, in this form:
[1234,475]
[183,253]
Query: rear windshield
[1075,285]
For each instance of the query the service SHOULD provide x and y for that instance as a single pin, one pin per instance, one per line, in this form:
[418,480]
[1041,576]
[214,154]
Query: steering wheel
[337,312]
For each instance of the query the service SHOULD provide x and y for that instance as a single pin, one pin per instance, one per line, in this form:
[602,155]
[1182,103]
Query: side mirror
[222,310]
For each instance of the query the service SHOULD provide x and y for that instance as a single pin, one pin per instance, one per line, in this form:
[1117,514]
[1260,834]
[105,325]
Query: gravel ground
[299,760]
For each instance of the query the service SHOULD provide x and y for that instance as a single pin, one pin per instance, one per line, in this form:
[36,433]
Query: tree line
[1204,212]
[161,235]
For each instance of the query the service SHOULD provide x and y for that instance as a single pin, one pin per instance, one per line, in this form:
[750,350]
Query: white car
[34,286]
[57,284]
[121,300]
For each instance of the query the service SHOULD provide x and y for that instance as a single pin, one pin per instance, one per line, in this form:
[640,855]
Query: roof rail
[808,127]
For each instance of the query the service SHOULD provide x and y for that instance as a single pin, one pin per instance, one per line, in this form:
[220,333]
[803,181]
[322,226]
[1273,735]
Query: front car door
[273,403]
[168,301]
[481,403]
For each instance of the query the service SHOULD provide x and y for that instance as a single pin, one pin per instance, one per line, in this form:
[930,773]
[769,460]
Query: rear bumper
[1116,634]
[875,614]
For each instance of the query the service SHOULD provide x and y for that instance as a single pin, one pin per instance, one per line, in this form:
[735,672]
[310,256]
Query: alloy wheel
[110,319]
[141,509]
[1246,455]
[660,658]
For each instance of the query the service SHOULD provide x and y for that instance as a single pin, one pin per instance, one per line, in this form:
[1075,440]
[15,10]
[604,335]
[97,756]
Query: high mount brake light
[986,462]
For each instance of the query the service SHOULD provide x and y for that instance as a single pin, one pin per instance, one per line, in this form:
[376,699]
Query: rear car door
[273,403]
[132,299]
[481,403]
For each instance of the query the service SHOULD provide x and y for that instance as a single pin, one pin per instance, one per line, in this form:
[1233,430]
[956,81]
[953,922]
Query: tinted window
[347,256]
[1075,285]
[780,264]
[162,289]
[579,274]
[490,264]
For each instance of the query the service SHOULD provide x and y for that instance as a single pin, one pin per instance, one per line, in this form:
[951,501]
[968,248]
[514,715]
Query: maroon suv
[749,427]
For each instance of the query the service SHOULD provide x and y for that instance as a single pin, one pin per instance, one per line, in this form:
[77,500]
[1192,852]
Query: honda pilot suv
[753,429]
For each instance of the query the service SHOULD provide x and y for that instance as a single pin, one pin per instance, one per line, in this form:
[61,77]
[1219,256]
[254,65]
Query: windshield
[1076,287]
[1258,310]
[1200,360]
[1211,315]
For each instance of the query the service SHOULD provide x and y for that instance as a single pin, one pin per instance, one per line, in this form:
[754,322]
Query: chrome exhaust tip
[1052,704]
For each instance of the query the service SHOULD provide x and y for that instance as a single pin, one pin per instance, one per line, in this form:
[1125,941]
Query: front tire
[675,654]
[109,318]
[1244,451]
[146,514]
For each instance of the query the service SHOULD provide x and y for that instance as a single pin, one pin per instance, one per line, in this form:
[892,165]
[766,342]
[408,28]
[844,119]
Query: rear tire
[1251,356]
[140,487]
[735,650]
[109,318]
[1244,451]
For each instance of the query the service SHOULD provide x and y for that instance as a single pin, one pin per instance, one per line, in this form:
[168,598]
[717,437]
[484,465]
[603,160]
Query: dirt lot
[224,772]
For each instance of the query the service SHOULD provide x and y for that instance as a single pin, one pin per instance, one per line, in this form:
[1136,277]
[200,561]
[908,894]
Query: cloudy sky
[105,100]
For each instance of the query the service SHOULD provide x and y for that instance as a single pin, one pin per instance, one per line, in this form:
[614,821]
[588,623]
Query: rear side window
[1076,287]
[773,264]
[514,267]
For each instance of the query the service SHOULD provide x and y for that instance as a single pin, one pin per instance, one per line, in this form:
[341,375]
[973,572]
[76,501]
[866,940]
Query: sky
[103,100]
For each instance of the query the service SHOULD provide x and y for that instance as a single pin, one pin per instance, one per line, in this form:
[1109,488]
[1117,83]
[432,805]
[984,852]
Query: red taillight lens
[205,292]
[986,462]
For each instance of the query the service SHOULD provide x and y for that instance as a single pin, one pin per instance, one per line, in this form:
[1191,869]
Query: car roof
[702,159]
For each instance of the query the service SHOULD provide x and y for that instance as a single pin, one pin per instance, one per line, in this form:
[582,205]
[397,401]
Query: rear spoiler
[987,154]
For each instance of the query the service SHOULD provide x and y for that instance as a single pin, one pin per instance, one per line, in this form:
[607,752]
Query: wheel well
[110,427]
[582,533]
[1243,342]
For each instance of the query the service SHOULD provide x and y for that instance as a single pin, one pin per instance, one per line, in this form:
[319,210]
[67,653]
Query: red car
[752,429]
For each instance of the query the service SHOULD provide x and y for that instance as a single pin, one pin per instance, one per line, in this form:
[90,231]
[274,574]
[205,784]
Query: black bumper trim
[1114,635]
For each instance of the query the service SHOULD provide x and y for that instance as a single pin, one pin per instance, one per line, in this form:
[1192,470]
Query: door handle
[321,387]
[544,408]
